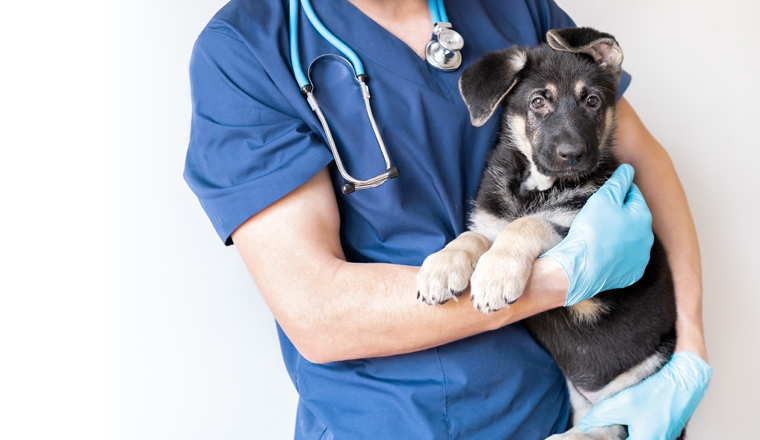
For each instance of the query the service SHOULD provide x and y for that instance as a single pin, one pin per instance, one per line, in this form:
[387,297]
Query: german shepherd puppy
[554,151]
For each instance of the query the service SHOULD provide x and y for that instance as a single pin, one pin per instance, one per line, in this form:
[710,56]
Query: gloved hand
[659,407]
[609,241]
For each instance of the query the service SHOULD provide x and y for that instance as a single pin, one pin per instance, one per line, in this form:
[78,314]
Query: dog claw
[418,294]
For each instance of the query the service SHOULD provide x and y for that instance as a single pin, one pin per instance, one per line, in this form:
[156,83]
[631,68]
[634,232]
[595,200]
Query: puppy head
[559,99]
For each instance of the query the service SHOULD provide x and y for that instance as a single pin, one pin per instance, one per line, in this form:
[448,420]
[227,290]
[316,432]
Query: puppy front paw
[499,279]
[444,275]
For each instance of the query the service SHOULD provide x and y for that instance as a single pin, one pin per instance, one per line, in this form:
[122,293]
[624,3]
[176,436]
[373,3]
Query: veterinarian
[338,271]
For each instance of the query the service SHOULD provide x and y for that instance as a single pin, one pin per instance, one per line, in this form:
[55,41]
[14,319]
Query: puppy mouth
[567,170]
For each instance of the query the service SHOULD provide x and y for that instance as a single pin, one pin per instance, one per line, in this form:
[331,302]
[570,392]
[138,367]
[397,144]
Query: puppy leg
[446,274]
[633,376]
[607,433]
[578,403]
[503,271]
[581,406]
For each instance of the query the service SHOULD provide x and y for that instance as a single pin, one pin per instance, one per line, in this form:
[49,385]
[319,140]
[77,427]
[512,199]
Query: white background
[122,316]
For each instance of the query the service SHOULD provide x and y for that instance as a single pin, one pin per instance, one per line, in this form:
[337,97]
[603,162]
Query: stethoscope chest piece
[442,52]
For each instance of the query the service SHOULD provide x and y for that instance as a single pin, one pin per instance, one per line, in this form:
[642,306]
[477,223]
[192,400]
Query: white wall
[195,353]
[123,316]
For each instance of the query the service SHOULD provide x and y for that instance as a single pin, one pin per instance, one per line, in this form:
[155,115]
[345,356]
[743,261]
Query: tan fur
[579,86]
[609,119]
[588,311]
[552,89]
[558,217]
[503,271]
[520,137]
[536,180]
[471,242]
[448,271]
[486,224]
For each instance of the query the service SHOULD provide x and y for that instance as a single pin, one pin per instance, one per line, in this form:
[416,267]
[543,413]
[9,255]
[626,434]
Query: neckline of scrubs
[373,42]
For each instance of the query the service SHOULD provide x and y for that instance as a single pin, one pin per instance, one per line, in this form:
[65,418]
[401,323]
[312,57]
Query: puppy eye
[538,102]
[593,101]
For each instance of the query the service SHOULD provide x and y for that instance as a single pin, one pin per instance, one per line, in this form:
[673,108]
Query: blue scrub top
[254,139]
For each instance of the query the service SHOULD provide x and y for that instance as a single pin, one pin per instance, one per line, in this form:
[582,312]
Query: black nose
[571,153]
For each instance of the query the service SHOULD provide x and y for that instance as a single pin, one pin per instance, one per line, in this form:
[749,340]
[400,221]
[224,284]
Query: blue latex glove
[609,241]
[659,407]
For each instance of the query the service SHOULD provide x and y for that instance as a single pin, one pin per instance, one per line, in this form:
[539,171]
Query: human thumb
[634,200]
[616,188]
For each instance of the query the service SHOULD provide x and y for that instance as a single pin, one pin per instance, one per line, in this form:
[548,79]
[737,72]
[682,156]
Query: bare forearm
[371,310]
[672,222]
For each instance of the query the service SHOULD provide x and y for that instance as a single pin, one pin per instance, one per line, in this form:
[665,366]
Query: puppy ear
[484,84]
[601,46]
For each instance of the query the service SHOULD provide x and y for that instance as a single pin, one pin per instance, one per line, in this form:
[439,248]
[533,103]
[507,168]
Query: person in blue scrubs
[338,271]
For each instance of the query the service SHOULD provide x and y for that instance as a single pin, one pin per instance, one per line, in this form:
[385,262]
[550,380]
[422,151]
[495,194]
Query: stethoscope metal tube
[352,184]
[442,53]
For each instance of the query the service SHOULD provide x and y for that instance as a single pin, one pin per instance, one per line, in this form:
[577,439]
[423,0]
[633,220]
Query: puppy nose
[571,153]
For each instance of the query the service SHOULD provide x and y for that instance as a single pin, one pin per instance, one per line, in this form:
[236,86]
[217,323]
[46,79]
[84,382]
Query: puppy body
[553,153]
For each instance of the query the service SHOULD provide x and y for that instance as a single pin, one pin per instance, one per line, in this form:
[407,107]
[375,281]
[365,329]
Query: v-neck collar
[373,42]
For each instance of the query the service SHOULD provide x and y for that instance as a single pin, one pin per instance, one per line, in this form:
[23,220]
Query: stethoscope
[442,52]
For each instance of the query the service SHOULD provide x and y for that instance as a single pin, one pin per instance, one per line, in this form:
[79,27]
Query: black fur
[639,320]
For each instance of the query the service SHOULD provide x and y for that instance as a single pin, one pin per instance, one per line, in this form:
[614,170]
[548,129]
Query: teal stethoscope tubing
[335,41]
[437,14]
[437,11]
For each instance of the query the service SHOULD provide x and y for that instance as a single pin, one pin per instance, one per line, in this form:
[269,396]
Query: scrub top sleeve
[248,147]
[551,16]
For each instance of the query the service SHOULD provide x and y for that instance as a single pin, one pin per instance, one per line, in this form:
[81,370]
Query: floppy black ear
[601,46]
[484,84]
